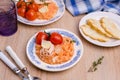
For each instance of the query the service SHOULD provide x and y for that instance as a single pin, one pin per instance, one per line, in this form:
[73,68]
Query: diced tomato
[41,36]
[33,6]
[31,15]
[21,11]
[21,3]
[56,38]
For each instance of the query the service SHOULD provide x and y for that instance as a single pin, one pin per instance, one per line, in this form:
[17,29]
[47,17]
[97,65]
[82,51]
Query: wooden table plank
[108,70]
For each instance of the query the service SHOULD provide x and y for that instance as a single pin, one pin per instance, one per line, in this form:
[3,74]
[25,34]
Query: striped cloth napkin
[76,7]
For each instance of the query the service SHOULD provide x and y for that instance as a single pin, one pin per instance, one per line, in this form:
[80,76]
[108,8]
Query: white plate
[60,12]
[97,16]
[30,49]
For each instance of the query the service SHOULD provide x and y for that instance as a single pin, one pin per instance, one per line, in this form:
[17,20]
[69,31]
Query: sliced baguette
[88,31]
[110,27]
[97,26]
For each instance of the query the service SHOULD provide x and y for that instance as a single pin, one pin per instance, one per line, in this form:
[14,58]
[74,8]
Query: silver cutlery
[20,64]
[12,66]
[22,70]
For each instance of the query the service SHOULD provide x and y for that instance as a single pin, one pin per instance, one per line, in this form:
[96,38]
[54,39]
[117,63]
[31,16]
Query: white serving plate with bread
[97,16]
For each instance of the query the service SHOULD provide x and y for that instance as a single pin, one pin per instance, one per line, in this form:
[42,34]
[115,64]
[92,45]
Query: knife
[11,66]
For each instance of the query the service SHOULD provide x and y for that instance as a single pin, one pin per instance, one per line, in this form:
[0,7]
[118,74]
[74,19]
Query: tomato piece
[21,11]
[33,6]
[21,3]
[31,15]
[41,36]
[56,38]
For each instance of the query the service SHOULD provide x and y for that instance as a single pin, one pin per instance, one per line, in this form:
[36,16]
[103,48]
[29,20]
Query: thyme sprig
[95,64]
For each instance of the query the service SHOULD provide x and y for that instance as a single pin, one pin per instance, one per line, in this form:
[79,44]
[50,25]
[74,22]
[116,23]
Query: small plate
[37,22]
[30,49]
[97,16]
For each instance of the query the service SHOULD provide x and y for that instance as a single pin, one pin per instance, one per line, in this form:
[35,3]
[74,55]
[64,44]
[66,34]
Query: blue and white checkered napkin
[76,7]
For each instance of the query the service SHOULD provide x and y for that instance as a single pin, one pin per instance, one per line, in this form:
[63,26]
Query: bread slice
[110,27]
[97,26]
[88,31]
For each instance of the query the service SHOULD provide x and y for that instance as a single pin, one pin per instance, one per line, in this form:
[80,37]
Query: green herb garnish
[95,64]
[42,0]
[46,4]
[47,33]
[72,41]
